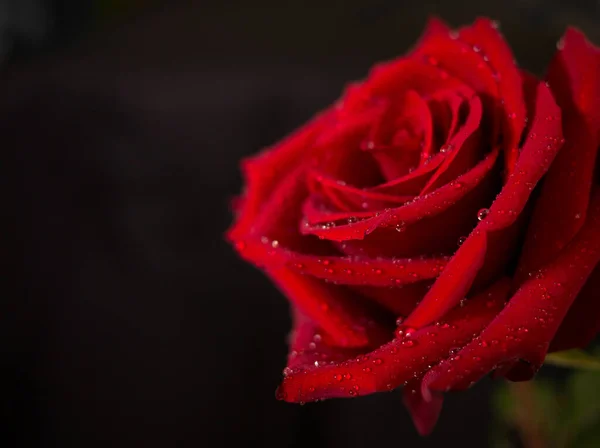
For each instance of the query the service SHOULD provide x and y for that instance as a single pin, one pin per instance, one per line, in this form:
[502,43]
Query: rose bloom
[441,221]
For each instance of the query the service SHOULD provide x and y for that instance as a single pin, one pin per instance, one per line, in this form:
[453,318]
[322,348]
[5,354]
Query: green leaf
[576,359]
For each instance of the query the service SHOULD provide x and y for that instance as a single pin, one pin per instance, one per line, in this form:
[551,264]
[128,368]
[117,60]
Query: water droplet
[377,271]
[264,240]
[482,214]
[409,343]
[364,205]
[352,220]
[367,145]
[404,331]
[366,369]
[461,240]
[578,216]
[476,48]
[274,244]
[399,321]
[347,376]
[512,115]
[338,377]
[560,45]
[399,227]
[495,24]
[378,361]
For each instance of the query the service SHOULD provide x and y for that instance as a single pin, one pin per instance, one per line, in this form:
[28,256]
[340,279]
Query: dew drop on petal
[482,214]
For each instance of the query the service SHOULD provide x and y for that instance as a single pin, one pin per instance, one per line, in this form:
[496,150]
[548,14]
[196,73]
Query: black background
[127,320]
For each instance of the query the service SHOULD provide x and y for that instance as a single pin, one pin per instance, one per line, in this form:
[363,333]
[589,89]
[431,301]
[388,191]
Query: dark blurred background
[127,320]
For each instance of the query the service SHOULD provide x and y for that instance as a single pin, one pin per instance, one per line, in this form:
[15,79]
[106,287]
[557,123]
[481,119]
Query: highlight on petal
[535,159]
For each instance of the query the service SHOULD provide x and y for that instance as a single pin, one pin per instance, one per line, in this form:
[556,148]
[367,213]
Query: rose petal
[414,182]
[424,413]
[561,209]
[400,301]
[524,329]
[341,196]
[308,344]
[493,49]
[419,208]
[409,118]
[393,78]
[535,159]
[264,171]
[466,150]
[398,361]
[333,308]
[582,322]
[344,270]
[337,154]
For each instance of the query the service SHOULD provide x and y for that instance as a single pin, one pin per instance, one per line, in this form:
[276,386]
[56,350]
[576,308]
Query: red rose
[440,222]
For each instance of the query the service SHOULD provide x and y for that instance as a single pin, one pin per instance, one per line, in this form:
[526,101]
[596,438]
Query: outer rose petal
[582,322]
[561,209]
[398,361]
[266,170]
[524,329]
[308,344]
[535,159]
[424,412]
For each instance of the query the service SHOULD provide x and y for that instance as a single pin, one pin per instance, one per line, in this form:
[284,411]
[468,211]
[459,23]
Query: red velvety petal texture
[525,327]
[439,222]
[397,362]
[561,211]
[536,156]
